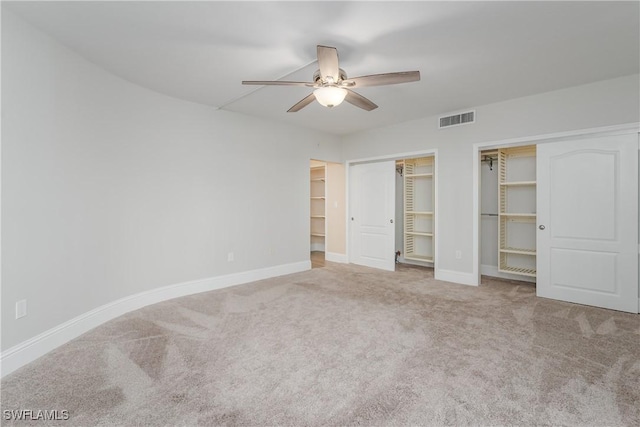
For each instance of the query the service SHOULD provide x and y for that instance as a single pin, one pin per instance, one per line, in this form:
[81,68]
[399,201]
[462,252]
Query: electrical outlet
[21,308]
[230,257]
[458,254]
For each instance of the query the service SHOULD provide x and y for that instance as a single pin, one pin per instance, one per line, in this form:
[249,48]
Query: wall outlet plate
[21,308]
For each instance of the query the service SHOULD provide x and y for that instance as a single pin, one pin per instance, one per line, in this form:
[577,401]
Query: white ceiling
[468,53]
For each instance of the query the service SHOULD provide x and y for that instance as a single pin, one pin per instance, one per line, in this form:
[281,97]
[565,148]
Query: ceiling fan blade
[275,83]
[385,79]
[328,62]
[303,103]
[359,101]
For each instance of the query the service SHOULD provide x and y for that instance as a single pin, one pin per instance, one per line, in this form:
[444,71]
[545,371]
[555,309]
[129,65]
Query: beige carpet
[345,345]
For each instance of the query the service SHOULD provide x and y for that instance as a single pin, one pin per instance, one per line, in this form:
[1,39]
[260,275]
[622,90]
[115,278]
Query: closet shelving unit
[419,209]
[318,208]
[517,210]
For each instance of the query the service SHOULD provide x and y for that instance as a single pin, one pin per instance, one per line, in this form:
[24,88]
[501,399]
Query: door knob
[391,221]
[541,227]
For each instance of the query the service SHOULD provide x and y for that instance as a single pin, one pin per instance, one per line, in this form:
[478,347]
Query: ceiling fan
[332,85]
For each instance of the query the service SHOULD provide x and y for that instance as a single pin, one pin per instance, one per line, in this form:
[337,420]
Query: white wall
[602,103]
[109,189]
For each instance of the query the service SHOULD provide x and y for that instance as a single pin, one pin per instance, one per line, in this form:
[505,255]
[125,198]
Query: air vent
[457,119]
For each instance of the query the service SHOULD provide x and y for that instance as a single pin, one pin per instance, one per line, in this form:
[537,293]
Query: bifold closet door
[372,213]
[587,241]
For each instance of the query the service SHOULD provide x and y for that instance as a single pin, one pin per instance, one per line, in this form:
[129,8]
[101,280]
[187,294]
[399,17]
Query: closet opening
[508,213]
[546,228]
[393,212]
[327,216]
[318,218]
[415,211]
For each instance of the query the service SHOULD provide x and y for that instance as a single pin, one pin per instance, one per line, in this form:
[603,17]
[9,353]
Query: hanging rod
[489,214]
[489,159]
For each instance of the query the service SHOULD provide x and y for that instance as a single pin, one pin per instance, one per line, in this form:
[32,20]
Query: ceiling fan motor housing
[317,78]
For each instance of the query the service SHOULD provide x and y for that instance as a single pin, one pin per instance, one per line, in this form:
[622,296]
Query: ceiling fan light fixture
[330,96]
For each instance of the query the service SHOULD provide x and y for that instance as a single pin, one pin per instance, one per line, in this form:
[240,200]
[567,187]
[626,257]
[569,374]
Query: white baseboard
[335,257]
[33,348]
[492,270]
[456,277]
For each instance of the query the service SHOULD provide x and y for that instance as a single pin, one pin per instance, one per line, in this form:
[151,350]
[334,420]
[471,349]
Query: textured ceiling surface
[468,53]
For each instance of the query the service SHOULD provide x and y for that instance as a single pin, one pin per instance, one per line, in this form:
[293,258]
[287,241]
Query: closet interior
[415,211]
[508,213]
[327,214]
[318,192]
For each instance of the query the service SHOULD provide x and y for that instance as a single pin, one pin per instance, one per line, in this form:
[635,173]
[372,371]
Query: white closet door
[372,211]
[587,238]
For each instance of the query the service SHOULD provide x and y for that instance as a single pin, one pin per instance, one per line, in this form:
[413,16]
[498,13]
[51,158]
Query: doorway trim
[528,140]
[429,152]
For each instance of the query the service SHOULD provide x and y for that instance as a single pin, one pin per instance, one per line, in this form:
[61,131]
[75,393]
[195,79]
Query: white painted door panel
[372,209]
[587,251]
